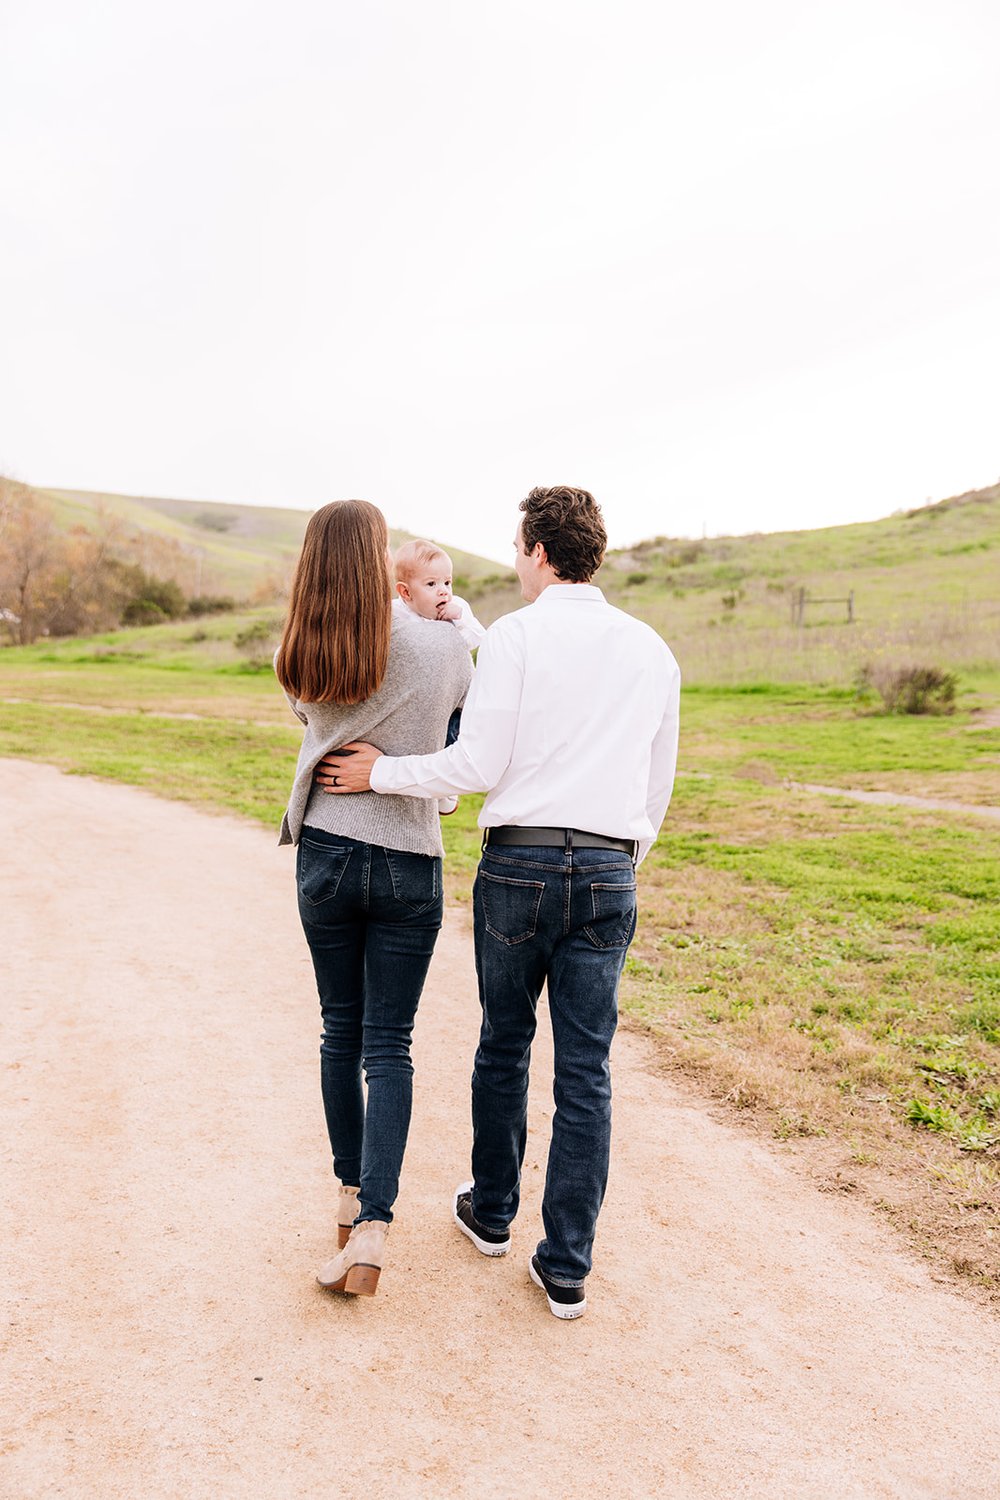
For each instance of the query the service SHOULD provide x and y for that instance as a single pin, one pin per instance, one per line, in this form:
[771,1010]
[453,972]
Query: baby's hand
[449,611]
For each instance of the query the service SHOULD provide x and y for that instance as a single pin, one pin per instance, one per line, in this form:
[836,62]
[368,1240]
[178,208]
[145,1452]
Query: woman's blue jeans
[545,915]
[371,918]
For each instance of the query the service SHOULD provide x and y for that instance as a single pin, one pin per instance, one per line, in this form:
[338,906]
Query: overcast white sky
[733,267]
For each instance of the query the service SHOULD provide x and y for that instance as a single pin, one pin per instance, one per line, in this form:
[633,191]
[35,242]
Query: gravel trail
[167,1198]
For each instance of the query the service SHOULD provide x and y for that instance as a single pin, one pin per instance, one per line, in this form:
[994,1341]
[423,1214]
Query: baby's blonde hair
[412,557]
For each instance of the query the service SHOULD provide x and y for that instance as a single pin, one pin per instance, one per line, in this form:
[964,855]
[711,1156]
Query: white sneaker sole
[564,1310]
[483,1246]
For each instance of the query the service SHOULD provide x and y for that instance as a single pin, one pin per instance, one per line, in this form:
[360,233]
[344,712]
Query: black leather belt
[555,838]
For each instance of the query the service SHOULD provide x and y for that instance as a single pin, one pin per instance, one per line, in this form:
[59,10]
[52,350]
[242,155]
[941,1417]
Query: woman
[368,868]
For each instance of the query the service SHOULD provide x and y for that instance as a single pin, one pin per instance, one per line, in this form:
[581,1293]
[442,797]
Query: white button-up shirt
[571,722]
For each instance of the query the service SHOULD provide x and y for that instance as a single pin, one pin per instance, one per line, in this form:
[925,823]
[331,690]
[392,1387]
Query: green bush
[143,612]
[257,642]
[210,604]
[254,635]
[155,599]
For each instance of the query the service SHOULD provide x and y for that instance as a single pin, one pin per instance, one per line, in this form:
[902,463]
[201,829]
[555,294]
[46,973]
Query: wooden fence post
[800,598]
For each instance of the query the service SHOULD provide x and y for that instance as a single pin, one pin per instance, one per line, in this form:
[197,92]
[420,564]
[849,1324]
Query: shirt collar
[587,593]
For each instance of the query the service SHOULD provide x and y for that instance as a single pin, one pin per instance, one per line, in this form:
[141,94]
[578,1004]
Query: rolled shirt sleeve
[663,763]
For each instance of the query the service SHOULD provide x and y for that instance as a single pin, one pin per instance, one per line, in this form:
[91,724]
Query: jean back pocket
[415,879]
[510,907]
[319,871]
[613,907]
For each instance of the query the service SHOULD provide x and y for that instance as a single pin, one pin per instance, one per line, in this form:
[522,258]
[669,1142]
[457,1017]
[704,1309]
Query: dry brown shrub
[910,689]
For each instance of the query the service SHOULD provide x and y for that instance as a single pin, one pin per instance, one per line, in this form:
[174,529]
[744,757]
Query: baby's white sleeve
[468,627]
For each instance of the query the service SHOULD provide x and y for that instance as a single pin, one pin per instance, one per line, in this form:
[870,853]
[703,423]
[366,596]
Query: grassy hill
[214,548]
[926,587]
[941,549]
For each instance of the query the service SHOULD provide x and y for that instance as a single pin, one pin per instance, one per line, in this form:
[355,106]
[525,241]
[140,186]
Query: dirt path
[898,799]
[166,1200]
[103,708]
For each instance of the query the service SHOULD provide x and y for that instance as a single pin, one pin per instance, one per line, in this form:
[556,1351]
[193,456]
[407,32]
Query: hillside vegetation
[799,606]
[774,607]
[214,548]
[924,586]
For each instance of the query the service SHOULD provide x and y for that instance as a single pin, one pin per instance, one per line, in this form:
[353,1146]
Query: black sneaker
[564,1301]
[486,1241]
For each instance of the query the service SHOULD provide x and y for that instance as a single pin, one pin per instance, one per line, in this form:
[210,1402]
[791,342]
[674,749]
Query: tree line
[86,579]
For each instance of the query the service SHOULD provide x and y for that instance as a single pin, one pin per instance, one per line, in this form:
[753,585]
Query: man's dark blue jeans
[542,914]
[371,918]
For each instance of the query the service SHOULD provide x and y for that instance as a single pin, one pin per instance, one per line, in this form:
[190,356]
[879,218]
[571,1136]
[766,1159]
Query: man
[570,727]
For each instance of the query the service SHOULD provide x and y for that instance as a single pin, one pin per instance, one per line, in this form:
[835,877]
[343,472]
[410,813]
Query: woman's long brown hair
[335,645]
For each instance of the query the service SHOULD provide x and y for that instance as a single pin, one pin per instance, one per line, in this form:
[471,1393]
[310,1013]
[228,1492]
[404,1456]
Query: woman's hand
[347,769]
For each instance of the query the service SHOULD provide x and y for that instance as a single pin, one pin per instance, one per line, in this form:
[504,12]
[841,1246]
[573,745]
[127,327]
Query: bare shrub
[31,562]
[910,689]
[688,553]
[72,582]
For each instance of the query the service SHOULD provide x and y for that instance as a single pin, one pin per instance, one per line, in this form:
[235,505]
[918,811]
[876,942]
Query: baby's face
[429,591]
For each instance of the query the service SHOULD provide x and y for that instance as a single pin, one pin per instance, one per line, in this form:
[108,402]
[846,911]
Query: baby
[423,583]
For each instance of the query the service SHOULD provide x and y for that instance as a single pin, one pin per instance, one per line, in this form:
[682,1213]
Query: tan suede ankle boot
[357,1268]
[347,1212]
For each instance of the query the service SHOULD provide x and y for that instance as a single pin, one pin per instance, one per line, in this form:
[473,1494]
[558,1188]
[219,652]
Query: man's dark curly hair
[569,525]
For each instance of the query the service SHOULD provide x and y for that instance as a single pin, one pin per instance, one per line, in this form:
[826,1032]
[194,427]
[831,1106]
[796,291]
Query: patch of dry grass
[818,1015]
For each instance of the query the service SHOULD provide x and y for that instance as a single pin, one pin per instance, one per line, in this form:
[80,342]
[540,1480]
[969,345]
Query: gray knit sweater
[427,679]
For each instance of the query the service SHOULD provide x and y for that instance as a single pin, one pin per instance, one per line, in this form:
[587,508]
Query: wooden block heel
[357,1266]
[361,1280]
[343,1235]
